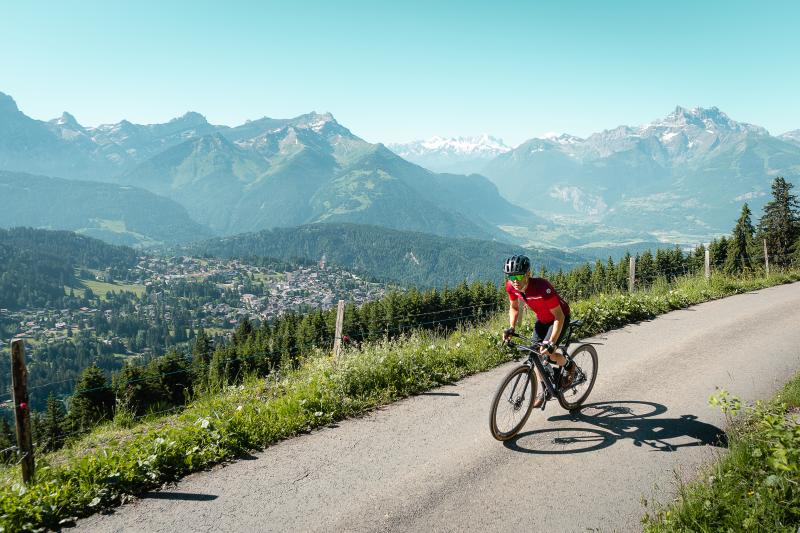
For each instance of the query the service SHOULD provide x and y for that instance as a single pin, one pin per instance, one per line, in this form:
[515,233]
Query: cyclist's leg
[540,332]
[556,357]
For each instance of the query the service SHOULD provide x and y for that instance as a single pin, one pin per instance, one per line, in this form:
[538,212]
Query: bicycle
[517,401]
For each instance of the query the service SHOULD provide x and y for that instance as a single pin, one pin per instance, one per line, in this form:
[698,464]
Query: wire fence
[647,276]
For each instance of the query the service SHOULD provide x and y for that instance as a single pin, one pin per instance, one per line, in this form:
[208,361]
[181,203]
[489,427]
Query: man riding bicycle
[552,312]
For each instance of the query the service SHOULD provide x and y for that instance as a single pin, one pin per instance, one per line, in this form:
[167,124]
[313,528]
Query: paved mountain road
[429,463]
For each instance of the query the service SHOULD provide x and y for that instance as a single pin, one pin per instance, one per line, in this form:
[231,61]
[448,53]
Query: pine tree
[52,431]
[738,252]
[623,270]
[92,402]
[136,389]
[780,225]
[696,261]
[664,267]
[201,356]
[598,277]
[645,268]
[7,440]
[718,250]
[243,331]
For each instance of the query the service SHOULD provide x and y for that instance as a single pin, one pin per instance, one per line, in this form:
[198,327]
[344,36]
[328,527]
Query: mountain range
[684,176]
[679,179]
[262,174]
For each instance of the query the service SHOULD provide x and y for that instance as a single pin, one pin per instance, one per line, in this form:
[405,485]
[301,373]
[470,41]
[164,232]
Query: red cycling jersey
[541,297]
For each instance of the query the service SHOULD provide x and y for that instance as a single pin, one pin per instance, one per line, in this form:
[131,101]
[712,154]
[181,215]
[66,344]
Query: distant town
[238,290]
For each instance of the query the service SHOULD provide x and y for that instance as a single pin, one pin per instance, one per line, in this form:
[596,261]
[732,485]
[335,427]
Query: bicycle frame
[534,360]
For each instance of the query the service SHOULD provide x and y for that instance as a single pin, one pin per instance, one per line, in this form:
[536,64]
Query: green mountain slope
[297,176]
[404,257]
[36,265]
[116,214]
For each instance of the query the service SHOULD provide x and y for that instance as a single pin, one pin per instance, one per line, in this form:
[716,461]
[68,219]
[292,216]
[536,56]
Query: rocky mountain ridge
[262,174]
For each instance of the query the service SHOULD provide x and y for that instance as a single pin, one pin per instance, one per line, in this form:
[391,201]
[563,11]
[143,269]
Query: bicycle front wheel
[572,397]
[513,403]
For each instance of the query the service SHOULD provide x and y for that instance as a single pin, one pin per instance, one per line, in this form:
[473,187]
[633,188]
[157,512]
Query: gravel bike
[513,402]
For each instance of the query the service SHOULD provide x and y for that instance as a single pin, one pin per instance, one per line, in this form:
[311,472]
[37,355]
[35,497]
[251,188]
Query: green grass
[124,458]
[102,288]
[757,485]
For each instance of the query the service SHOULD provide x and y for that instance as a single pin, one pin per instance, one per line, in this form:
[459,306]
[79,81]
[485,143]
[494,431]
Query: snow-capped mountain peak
[67,120]
[791,136]
[483,145]
[452,154]
[561,138]
[710,119]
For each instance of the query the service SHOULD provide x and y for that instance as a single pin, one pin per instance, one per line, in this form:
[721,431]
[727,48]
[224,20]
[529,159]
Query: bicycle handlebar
[534,344]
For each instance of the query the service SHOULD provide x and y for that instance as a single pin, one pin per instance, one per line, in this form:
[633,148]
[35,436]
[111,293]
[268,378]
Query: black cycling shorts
[544,329]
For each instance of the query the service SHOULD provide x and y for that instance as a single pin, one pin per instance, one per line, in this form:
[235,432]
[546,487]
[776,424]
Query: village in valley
[186,293]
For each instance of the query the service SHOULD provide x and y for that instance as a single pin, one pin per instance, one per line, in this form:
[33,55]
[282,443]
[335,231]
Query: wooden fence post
[708,264]
[632,274]
[766,257]
[337,341]
[22,412]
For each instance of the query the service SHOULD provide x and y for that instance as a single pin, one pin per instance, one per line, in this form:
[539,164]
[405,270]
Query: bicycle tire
[518,377]
[584,356]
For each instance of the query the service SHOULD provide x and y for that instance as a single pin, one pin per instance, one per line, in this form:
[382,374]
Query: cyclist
[552,312]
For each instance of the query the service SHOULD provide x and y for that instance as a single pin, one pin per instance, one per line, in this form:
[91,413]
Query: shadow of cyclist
[614,421]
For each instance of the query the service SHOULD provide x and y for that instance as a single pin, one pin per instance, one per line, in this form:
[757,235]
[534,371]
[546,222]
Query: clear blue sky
[396,71]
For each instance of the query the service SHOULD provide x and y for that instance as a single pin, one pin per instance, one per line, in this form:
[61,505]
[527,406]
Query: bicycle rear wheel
[512,403]
[571,398]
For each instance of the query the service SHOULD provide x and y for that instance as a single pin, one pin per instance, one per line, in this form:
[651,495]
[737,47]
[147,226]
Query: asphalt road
[429,463]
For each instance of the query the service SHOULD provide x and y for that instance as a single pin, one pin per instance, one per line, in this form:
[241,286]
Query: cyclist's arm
[513,313]
[558,323]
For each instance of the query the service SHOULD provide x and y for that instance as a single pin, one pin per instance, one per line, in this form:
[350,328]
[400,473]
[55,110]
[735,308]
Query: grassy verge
[757,485]
[117,460]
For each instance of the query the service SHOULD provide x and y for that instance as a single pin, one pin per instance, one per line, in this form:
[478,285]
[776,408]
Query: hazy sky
[396,71]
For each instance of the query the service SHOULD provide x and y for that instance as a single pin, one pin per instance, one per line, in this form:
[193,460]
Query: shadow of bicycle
[605,423]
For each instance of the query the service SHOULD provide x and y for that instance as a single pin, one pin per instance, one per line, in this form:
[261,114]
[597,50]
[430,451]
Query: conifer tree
[610,280]
[201,356]
[243,331]
[645,268]
[92,402]
[696,260]
[137,389]
[7,440]
[174,377]
[623,268]
[780,225]
[738,252]
[718,250]
[52,430]
[664,267]
[598,277]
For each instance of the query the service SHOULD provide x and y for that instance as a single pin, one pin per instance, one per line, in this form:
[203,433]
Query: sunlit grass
[756,487]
